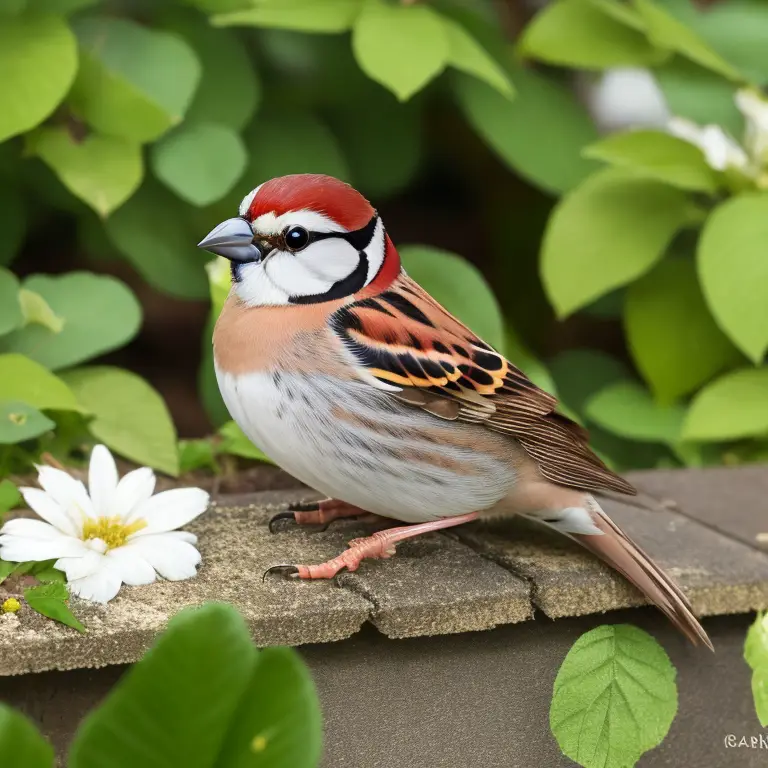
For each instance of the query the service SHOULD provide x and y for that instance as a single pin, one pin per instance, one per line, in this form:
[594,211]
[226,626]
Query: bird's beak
[232,239]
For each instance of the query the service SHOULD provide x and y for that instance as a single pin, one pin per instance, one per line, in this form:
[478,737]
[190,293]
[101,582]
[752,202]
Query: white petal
[190,538]
[19,549]
[32,529]
[172,558]
[624,97]
[132,491]
[80,567]
[50,510]
[170,509]
[70,494]
[133,568]
[753,107]
[686,129]
[102,480]
[100,586]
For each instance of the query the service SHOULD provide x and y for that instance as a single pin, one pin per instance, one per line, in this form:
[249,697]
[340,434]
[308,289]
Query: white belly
[289,417]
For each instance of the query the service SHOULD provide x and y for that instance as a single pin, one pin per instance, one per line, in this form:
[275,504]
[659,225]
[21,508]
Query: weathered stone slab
[436,585]
[732,499]
[237,548]
[719,575]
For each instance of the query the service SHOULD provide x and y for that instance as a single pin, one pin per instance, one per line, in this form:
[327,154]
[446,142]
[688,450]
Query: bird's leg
[320,513]
[380,545]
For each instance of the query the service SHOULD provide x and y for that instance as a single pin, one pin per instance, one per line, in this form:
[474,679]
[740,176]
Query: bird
[351,377]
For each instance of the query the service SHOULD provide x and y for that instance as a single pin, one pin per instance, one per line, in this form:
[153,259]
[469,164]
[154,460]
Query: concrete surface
[472,578]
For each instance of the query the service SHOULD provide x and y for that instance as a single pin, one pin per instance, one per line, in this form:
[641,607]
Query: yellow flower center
[111,530]
[11,605]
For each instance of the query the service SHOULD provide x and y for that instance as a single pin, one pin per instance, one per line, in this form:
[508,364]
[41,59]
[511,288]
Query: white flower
[624,97]
[119,534]
[720,150]
[755,110]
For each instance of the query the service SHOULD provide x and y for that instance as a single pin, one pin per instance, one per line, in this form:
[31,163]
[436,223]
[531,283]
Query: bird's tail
[619,551]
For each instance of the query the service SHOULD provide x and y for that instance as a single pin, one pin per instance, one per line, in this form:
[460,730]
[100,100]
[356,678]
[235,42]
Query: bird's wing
[405,339]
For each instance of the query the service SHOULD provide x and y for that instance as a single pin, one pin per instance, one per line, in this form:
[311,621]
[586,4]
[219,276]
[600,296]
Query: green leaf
[278,721]
[129,415]
[301,15]
[63,7]
[459,287]
[10,307]
[37,310]
[9,496]
[100,313]
[402,47]
[6,569]
[615,697]
[539,135]
[103,171]
[382,143]
[229,89]
[577,33]
[38,61]
[25,380]
[605,233]
[235,442]
[731,407]
[12,7]
[175,706]
[133,82]
[197,454]
[21,744]
[151,231]
[699,95]
[756,655]
[733,270]
[674,340]
[665,31]
[49,600]
[627,409]
[581,373]
[50,575]
[219,6]
[467,55]
[657,155]
[200,162]
[20,421]
[737,30]
[292,143]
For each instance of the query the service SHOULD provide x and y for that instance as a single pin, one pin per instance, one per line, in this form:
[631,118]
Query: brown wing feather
[404,337]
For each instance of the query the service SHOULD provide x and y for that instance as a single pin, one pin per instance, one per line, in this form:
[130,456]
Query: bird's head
[305,239]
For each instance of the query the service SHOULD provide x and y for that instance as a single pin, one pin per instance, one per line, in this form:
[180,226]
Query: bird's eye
[296,238]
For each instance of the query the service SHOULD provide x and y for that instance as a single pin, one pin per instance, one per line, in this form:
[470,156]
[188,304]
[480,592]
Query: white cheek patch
[332,259]
[255,289]
[293,278]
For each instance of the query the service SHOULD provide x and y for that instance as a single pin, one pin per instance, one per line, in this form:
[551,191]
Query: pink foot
[317,513]
[379,545]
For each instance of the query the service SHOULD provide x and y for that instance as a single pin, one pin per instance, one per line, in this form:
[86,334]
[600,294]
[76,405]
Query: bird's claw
[288,571]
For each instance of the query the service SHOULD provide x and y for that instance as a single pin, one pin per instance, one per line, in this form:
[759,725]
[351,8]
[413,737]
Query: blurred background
[581,181]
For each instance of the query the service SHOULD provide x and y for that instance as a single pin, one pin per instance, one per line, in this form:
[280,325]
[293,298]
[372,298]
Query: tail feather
[616,549]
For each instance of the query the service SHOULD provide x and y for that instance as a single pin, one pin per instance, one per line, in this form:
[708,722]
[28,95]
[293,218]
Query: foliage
[614,698]
[203,696]
[756,655]
[148,152]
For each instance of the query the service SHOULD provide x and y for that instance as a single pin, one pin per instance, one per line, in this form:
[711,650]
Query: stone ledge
[473,578]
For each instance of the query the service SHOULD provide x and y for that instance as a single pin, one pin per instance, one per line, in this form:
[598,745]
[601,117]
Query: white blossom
[114,533]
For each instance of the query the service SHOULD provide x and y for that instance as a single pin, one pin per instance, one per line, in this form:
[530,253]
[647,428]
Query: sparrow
[353,379]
